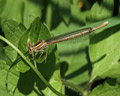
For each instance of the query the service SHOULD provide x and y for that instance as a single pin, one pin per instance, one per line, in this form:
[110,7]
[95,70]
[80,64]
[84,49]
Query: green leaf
[13,76]
[13,10]
[32,9]
[64,6]
[2,5]
[10,52]
[28,83]
[2,53]
[24,11]
[100,12]
[109,88]
[10,27]
[55,81]
[104,52]
[3,92]
[35,33]
[13,32]
[73,54]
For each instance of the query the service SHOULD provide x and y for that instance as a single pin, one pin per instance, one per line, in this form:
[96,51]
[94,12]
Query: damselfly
[42,44]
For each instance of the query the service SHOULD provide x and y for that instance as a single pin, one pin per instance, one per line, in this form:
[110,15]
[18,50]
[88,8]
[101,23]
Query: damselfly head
[30,48]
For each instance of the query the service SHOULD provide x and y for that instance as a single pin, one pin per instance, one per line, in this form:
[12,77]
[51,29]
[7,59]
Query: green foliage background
[86,67]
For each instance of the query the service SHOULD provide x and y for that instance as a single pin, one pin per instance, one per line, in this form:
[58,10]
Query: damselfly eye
[29,48]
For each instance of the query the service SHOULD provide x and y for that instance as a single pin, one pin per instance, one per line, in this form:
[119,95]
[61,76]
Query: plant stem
[73,86]
[31,65]
[88,86]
